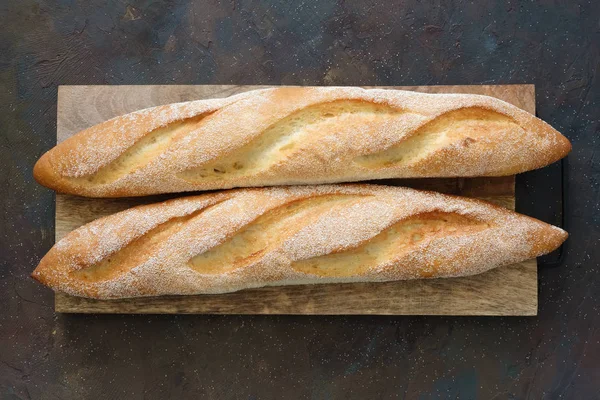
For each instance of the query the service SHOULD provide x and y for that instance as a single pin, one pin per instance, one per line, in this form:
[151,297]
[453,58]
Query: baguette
[287,136]
[246,238]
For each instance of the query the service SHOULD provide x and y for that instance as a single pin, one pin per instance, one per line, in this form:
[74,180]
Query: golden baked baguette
[245,238]
[304,135]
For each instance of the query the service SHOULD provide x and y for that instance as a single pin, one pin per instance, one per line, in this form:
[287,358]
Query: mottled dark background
[554,44]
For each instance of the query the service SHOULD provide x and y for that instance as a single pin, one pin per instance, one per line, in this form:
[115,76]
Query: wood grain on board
[510,290]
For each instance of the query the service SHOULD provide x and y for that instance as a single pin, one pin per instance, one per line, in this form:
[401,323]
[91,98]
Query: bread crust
[246,238]
[306,135]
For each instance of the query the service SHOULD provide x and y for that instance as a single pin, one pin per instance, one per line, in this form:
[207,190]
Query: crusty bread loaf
[300,136]
[246,238]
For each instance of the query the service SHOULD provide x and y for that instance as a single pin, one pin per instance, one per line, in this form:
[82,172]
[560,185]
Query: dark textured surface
[554,44]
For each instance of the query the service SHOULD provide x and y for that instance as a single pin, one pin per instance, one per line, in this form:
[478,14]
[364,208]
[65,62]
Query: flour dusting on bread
[228,241]
[309,135]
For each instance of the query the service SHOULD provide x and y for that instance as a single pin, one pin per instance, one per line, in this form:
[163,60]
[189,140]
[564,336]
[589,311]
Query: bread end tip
[42,171]
[36,275]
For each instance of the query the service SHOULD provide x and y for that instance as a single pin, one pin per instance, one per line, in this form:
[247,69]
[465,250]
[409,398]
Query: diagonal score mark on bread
[143,151]
[463,127]
[135,252]
[266,232]
[290,134]
[391,244]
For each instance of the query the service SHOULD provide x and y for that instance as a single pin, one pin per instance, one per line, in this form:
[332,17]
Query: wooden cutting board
[510,290]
